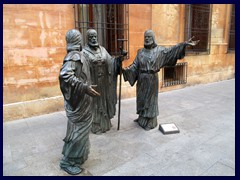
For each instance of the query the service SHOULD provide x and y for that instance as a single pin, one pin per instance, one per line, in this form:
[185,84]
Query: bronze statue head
[149,39]
[92,38]
[73,39]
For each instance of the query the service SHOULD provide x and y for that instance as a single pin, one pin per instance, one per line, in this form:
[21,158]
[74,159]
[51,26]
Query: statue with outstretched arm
[144,69]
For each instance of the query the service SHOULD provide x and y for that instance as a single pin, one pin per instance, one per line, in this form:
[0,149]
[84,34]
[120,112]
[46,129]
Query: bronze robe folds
[103,70]
[144,70]
[73,79]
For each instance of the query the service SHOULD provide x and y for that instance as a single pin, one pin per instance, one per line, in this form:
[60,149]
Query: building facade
[34,46]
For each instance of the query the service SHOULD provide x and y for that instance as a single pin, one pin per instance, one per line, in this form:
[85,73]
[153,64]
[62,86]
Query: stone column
[220,28]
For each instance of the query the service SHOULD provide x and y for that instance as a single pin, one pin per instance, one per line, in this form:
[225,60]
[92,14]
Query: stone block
[44,7]
[13,94]
[138,39]
[223,49]
[20,75]
[15,38]
[11,112]
[140,17]
[44,106]
[32,108]
[214,49]
[15,57]
[31,91]
[5,59]
[8,18]
[169,20]
[56,55]
[39,37]
[26,18]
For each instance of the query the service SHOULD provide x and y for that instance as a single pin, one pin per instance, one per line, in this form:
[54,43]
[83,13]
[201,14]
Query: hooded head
[149,39]
[92,38]
[73,39]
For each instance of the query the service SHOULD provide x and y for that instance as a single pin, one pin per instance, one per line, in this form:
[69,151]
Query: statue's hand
[121,57]
[91,91]
[124,53]
[191,42]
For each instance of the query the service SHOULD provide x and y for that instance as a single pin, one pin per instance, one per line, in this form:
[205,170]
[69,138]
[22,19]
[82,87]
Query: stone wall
[34,47]
[33,51]
[167,21]
[139,21]
[219,64]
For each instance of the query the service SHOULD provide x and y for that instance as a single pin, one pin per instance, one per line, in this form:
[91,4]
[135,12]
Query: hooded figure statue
[77,91]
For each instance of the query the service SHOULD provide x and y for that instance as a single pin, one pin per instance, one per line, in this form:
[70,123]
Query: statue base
[168,128]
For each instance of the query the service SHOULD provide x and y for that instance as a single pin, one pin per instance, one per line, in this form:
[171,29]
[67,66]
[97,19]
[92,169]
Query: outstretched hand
[123,54]
[191,42]
[91,91]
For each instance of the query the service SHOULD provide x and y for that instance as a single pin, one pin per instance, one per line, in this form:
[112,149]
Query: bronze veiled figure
[75,85]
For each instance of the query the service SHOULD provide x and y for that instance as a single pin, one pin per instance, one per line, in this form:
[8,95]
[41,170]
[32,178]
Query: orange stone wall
[34,47]
[139,21]
[33,50]
[167,21]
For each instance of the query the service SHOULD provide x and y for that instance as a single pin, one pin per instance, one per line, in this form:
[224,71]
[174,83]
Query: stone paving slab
[205,146]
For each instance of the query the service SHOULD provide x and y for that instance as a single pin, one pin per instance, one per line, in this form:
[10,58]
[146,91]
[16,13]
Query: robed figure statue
[104,71]
[144,71]
[75,85]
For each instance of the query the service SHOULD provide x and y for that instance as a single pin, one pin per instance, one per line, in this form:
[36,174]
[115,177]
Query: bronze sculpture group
[88,80]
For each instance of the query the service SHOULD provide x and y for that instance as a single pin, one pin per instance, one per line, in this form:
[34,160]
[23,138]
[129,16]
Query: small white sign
[168,128]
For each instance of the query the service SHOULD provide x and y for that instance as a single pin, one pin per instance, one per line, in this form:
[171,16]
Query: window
[197,24]
[174,75]
[231,44]
[109,20]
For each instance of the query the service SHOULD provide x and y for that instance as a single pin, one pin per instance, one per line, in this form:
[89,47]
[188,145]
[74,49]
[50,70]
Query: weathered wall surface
[139,21]
[33,51]
[167,21]
[218,65]
[34,47]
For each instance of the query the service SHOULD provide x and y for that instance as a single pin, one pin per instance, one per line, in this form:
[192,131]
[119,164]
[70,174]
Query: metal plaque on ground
[168,128]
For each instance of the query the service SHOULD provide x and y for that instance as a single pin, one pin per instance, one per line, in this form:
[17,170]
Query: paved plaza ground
[205,146]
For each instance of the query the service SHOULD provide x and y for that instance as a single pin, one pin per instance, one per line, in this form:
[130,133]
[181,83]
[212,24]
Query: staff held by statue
[123,54]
